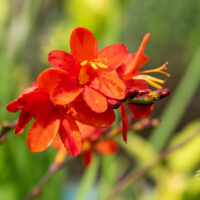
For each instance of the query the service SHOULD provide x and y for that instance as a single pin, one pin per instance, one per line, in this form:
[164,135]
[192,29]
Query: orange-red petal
[114,55]
[36,102]
[83,44]
[63,60]
[82,113]
[23,120]
[141,111]
[139,57]
[95,100]
[87,158]
[42,133]
[106,147]
[89,132]
[124,122]
[110,85]
[70,136]
[50,77]
[86,130]
[13,106]
[136,84]
[65,92]
[129,67]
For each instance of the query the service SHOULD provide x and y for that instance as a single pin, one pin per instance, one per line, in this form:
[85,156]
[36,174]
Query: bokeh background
[29,29]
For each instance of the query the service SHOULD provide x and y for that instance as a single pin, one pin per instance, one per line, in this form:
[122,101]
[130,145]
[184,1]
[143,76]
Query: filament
[157,70]
[155,82]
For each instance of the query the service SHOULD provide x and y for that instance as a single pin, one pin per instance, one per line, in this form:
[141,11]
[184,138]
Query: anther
[85,62]
[151,80]
[100,65]
[93,65]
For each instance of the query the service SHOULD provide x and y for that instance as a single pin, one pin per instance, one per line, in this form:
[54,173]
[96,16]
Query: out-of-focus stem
[145,124]
[53,168]
[134,175]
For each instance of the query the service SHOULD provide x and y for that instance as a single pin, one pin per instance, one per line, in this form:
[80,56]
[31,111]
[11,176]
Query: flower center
[95,64]
[88,68]
[155,82]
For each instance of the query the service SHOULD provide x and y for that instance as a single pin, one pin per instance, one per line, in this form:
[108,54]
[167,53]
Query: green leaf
[8,191]
[138,148]
[88,180]
[186,158]
[109,174]
[178,104]
[142,152]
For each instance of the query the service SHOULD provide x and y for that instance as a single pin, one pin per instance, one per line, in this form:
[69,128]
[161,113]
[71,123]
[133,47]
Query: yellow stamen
[85,62]
[96,63]
[93,65]
[157,70]
[157,86]
[100,65]
[151,80]
[157,80]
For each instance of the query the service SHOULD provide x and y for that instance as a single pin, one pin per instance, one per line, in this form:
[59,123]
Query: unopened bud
[149,97]
[162,93]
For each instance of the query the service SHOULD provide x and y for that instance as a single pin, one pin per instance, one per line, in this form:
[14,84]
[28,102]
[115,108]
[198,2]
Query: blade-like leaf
[178,104]
[88,180]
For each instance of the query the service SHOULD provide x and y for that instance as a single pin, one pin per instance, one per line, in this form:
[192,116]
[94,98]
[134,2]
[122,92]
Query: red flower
[135,79]
[50,119]
[90,139]
[87,71]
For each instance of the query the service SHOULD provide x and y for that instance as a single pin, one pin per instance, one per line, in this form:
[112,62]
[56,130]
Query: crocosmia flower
[85,71]
[50,119]
[138,80]
[75,98]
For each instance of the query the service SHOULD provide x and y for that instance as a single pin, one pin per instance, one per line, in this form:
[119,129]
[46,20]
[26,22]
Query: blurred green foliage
[32,28]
